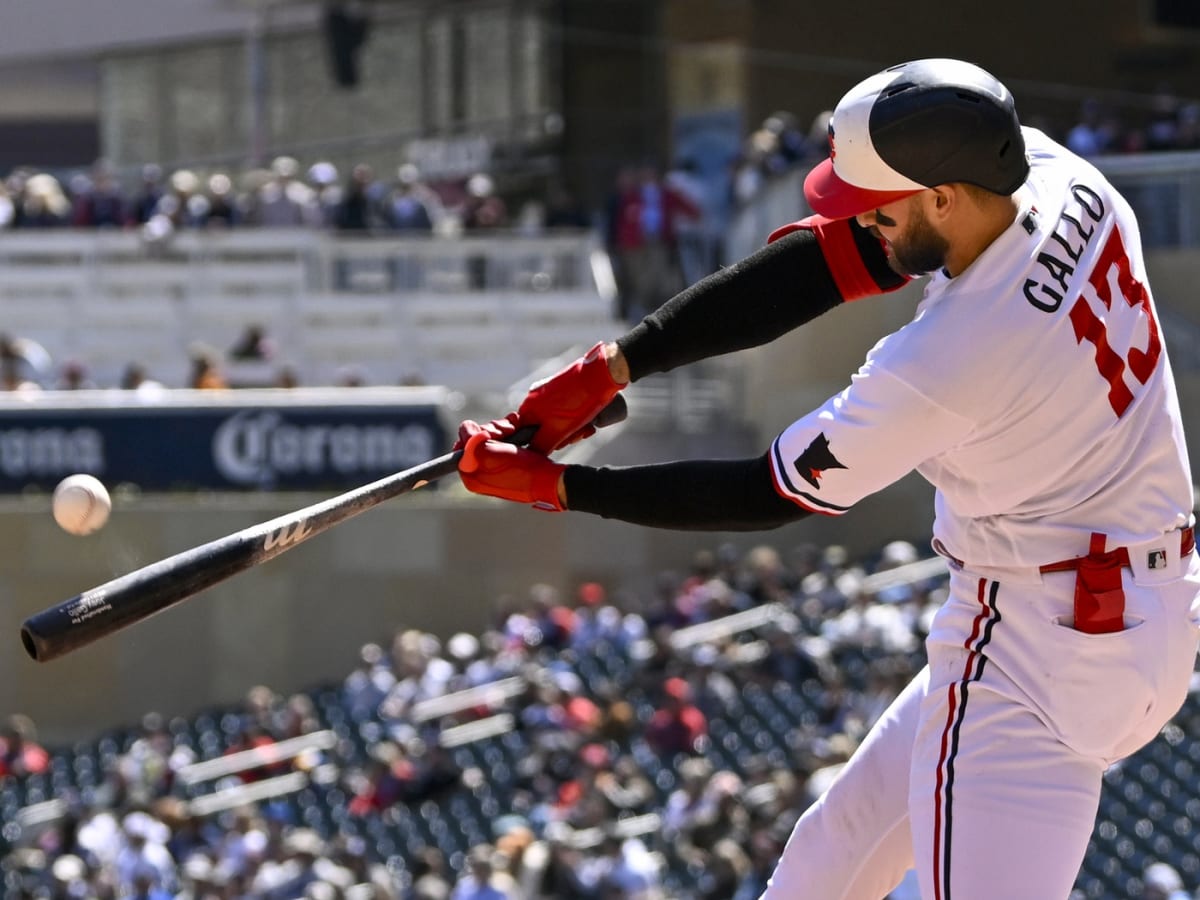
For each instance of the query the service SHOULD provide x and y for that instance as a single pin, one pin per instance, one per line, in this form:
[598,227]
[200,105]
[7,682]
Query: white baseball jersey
[1032,390]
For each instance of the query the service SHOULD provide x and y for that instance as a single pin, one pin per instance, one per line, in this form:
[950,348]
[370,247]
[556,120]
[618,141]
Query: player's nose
[866,219]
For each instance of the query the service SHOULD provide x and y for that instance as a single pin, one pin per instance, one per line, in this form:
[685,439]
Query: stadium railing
[468,312]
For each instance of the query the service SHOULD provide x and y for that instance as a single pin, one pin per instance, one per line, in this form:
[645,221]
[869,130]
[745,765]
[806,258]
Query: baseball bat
[142,593]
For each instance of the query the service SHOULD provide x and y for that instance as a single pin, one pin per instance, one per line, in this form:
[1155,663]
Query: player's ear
[943,200]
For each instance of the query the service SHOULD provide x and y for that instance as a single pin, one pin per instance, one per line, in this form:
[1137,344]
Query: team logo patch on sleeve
[812,463]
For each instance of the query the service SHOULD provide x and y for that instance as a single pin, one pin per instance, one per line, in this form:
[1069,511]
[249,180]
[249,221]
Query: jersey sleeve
[856,258]
[858,442]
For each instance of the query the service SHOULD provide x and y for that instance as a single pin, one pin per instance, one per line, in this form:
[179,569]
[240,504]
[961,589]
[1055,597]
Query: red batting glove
[497,430]
[507,471]
[564,405]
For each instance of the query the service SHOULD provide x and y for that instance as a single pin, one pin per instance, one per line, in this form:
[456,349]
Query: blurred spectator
[791,144]
[8,209]
[147,769]
[103,205]
[287,377]
[182,205]
[694,241]
[136,379]
[483,208]
[143,859]
[14,189]
[480,881]
[294,869]
[559,715]
[1187,137]
[350,376]
[253,736]
[222,210]
[206,374]
[323,179]
[149,193]
[1162,131]
[73,376]
[20,753]
[146,886]
[200,878]
[776,146]
[643,214]
[379,783]
[253,344]
[22,362]
[366,686]
[356,207]
[624,868]
[431,876]
[411,206]
[678,724]
[1090,136]
[690,802]
[285,201]
[43,204]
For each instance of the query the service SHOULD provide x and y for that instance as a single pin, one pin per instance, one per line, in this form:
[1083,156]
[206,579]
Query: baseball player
[1032,389]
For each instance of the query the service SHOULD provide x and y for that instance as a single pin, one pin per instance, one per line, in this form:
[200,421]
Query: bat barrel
[104,610]
[59,630]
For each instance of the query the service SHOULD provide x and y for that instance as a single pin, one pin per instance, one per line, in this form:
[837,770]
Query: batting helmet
[915,126]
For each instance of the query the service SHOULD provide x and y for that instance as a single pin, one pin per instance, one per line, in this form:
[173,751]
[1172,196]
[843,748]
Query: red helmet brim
[834,198]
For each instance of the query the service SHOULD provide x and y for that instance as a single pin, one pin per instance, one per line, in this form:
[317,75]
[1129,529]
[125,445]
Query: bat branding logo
[812,463]
[286,536]
[87,606]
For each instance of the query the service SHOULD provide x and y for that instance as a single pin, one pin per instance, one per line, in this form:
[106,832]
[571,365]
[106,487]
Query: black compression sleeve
[777,288]
[688,495]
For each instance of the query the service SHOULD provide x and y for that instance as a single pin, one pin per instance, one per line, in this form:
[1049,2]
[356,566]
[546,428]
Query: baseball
[81,504]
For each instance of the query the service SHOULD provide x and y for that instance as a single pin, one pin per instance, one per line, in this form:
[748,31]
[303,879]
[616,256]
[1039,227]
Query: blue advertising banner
[238,440]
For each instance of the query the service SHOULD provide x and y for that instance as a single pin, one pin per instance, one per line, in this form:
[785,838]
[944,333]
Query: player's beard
[919,249]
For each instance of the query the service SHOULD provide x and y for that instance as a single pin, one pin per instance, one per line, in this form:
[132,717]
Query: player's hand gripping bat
[130,598]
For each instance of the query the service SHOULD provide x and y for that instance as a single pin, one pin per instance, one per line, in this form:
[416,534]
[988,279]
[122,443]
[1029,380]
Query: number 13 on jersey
[1139,362]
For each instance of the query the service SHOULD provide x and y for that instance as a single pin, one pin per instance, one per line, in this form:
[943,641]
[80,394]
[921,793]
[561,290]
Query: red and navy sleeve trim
[856,258]
[788,490]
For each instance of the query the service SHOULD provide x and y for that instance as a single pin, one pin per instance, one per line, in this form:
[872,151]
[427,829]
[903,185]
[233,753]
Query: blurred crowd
[586,744]
[253,359]
[287,193]
[1170,124]
[283,195]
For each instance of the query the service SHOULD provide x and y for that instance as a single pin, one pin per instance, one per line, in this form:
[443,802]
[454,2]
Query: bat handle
[616,411]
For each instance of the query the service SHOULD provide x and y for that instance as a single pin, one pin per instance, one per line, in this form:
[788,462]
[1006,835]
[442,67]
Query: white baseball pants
[985,773]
